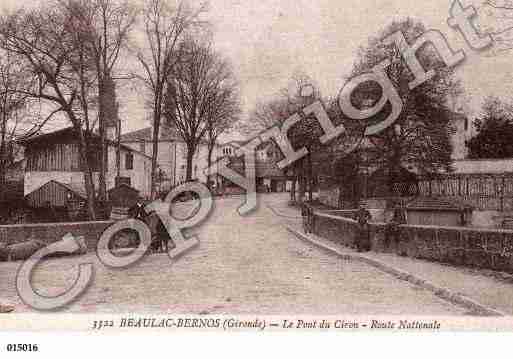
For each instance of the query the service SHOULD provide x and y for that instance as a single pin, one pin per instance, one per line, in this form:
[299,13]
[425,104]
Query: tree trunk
[310,175]
[293,189]
[118,148]
[3,165]
[154,163]
[3,160]
[302,188]
[190,155]
[103,153]
[209,162]
[302,181]
[88,176]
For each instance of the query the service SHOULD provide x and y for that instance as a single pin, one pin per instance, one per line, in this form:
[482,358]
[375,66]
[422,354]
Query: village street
[243,265]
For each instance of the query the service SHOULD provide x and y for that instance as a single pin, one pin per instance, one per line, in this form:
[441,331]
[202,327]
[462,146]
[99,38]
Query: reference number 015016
[22,348]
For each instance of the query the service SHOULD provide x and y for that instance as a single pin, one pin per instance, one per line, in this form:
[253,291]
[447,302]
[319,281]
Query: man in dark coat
[362,234]
[305,217]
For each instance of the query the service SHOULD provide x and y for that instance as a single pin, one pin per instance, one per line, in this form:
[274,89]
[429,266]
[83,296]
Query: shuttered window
[129,161]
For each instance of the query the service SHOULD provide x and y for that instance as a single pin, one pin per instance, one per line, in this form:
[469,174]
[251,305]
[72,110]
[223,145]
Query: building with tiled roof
[172,155]
[54,158]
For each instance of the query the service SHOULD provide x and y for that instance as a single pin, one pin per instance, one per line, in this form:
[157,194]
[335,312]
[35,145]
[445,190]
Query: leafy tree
[339,161]
[494,137]
[300,93]
[420,136]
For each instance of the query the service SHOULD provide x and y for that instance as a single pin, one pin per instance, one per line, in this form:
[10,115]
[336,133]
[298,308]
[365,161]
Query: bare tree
[200,97]
[12,104]
[223,107]
[54,51]
[106,25]
[165,26]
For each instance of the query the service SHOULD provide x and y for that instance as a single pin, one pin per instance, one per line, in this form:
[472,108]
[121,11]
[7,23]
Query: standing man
[393,227]
[304,217]
[363,217]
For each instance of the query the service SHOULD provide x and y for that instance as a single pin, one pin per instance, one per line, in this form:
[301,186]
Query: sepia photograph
[255,166]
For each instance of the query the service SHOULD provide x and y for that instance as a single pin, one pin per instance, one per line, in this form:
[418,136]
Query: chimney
[111,108]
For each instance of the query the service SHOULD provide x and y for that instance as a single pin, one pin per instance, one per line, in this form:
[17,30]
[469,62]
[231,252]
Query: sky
[268,41]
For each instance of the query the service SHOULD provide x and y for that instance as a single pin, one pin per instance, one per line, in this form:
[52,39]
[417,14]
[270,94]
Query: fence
[484,192]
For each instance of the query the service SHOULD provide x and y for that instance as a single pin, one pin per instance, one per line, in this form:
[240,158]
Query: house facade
[269,177]
[172,155]
[54,157]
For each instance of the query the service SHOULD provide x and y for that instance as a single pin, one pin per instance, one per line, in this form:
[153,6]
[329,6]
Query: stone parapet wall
[480,248]
[335,228]
[330,197]
[346,213]
[53,232]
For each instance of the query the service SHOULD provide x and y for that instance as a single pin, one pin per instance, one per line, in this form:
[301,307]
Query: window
[129,161]
[122,180]
[142,147]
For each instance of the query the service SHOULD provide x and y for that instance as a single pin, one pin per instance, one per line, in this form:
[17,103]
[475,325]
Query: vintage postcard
[258,166]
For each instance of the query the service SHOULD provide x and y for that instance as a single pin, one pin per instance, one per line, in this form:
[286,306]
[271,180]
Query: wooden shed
[55,194]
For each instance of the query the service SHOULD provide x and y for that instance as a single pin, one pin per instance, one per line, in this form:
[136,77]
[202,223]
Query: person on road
[305,217]
[363,236]
[393,227]
[311,220]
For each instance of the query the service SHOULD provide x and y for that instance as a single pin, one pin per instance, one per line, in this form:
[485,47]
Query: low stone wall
[480,248]
[335,228]
[52,232]
[346,213]
[330,196]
